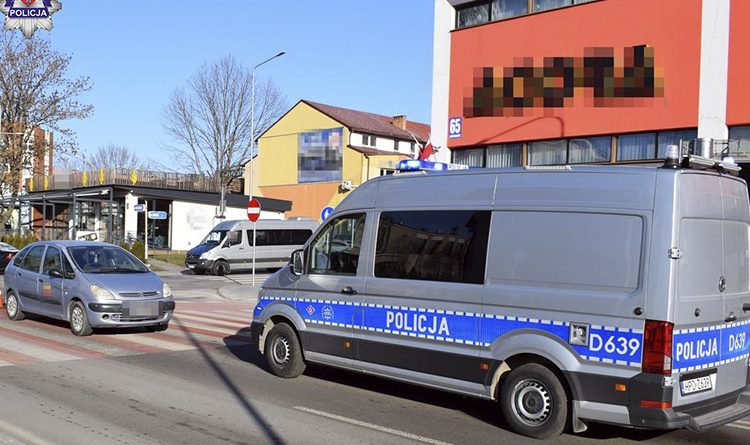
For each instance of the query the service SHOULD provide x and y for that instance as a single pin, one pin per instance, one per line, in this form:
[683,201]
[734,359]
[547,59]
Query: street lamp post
[252,137]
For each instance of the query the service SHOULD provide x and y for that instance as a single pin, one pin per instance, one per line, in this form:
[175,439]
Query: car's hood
[201,248]
[127,282]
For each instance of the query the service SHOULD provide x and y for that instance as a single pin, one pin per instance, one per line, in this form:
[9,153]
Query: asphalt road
[201,383]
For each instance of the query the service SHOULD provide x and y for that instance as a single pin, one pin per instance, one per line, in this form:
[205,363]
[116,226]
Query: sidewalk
[240,292]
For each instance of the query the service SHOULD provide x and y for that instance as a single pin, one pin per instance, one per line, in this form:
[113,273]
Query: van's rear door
[710,344]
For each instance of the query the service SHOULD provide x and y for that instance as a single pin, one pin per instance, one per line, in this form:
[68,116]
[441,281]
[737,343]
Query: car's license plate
[141,309]
[191,266]
[697,384]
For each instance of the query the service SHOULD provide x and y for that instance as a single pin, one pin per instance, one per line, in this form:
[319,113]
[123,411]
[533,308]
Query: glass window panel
[673,138]
[632,147]
[503,9]
[473,157]
[336,249]
[52,260]
[543,5]
[33,259]
[473,15]
[506,155]
[548,152]
[741,132]
[433,245]
[583,150]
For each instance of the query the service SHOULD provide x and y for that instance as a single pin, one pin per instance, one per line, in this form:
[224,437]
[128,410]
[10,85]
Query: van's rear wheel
[221,268]
[283,352]
[534,402]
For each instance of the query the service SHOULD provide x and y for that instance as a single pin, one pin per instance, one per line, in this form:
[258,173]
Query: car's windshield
[105,259]
[214,237]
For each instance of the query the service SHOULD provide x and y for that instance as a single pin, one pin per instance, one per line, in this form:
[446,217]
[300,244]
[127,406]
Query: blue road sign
[157,214]
[326,213]
[139,207]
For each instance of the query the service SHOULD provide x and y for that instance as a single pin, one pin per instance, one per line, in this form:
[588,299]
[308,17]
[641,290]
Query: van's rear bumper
[700,416]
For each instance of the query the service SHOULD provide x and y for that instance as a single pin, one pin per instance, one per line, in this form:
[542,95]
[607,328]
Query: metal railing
[133,178]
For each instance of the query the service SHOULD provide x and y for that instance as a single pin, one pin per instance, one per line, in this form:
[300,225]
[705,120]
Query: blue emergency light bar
[412,165]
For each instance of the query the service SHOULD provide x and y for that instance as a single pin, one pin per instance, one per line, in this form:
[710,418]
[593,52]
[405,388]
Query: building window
[633,147]
[473,15]
[673,138]
[740,132]
[587,150]
[387,171]
[369,140]
[473,157]
[505,155]
[552,152]
[544,5]
[433,245]
[505,9]
[320,156]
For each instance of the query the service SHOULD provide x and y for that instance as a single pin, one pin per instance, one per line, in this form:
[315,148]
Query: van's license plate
[696,384]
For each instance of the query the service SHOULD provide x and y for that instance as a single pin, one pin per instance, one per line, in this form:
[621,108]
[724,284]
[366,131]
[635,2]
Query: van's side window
[234,238]
[336,249]
[433,245]
[279,237]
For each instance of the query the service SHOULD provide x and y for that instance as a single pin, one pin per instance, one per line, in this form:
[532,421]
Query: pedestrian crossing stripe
[205,325]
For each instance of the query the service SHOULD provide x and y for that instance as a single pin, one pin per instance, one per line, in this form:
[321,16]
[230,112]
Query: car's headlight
[166,291]
[101,293]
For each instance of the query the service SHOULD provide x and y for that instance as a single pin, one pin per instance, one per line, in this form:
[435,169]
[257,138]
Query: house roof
[371,123]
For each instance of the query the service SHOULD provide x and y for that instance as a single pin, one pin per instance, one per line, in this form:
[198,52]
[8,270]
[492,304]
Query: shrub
[19,241]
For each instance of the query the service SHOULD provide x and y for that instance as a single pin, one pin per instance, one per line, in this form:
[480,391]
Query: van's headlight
[166,291]
[101,293]
[203,256]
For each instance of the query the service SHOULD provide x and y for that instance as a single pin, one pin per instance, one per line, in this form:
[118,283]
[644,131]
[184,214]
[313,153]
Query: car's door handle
[746,307]
[348,291]
[40,280]
[731,317]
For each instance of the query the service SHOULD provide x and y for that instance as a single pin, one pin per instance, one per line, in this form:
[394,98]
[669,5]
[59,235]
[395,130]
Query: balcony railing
[132,178]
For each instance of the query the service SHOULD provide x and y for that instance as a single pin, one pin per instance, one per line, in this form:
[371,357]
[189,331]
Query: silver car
[89,284]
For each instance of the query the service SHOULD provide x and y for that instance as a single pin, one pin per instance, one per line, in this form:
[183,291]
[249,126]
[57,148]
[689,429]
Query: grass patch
[175,257]
[155,268]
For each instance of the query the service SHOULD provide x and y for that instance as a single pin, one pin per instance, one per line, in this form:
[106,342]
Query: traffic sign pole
[253,213]
[145,224]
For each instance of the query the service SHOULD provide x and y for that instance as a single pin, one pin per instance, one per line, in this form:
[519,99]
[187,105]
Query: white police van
[589,294]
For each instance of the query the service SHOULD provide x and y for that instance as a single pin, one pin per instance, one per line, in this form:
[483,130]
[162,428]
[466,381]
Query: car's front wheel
[13,307]
[283,352]
[79,320]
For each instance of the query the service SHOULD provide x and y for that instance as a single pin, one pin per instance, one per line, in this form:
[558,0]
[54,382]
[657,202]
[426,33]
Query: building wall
[738,96]
[671,27]
[445,17]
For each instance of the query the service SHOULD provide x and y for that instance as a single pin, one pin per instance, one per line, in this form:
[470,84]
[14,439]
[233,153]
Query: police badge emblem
[29,15]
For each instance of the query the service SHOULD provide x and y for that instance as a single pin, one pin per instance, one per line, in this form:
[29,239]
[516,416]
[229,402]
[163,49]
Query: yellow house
[315,154]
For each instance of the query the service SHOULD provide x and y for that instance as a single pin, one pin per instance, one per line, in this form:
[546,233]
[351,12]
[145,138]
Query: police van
[570,295]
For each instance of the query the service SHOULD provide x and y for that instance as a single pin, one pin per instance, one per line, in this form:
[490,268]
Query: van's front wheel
[221,268]
[283,352]
[534,402]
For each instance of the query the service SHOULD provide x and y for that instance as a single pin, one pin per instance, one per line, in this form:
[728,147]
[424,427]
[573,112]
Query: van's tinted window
[433,245]
[336,249]
[278,237]
[33,259]
[587,251]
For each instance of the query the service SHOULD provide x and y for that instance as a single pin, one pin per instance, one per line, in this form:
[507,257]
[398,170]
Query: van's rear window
[433,245]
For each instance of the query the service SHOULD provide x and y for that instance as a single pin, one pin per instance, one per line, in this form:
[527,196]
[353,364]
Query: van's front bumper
[204,265]
[111,314]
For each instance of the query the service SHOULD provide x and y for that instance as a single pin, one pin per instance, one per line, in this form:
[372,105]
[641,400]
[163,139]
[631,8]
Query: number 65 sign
[454,127]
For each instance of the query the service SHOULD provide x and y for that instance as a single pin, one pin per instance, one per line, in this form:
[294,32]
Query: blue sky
[370,56]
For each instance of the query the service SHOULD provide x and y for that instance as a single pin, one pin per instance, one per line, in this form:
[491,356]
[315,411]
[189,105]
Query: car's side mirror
[297,262]
[56,273]
[69,275]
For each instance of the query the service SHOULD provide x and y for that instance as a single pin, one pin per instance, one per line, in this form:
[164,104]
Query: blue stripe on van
[617,346]
[709,346]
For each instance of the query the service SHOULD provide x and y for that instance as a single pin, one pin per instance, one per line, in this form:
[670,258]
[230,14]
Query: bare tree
[111,157]
[35,92]
[210,118]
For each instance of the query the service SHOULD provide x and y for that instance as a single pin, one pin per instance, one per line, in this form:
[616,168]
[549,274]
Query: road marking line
[211,321]
[742,427]
[149,341]
[372,426]
[22,435]
[216,316]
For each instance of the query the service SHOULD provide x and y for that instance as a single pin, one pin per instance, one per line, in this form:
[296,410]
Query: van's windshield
[214,237]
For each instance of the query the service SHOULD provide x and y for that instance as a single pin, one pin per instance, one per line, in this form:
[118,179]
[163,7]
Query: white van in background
[229,245]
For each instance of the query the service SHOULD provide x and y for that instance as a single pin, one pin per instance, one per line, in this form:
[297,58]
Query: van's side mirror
[56,273]
[297,262]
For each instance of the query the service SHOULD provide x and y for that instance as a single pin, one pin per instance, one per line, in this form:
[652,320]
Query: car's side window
[33,259]
[51,260]
[66,266]
[336,248]
[18,259]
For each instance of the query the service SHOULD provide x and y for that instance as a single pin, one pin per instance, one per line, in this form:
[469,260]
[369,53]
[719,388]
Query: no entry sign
[253,210]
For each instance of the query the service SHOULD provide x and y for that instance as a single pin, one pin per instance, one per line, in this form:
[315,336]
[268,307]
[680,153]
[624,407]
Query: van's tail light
[657,347]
